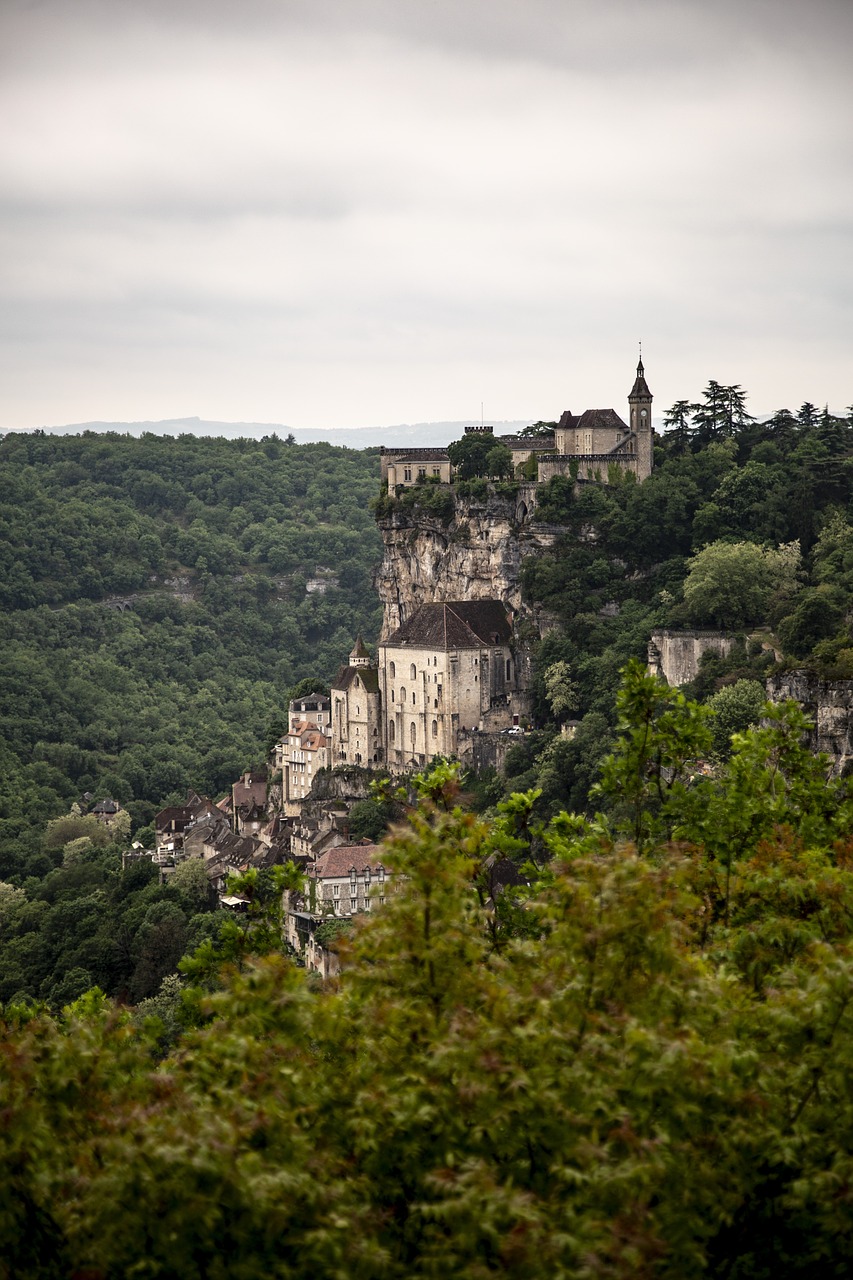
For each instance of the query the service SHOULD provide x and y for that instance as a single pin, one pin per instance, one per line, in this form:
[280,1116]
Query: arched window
[402,693]
[509,668]
[392,695]
[392,670]
[413,675]
[435,728]
[413,732]
[414,697]
[390,730]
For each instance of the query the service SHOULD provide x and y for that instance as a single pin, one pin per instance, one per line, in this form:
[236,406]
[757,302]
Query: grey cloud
[348,211]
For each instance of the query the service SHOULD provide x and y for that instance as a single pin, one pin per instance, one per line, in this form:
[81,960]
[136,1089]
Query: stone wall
[675,655]
[485,750]
[829,704]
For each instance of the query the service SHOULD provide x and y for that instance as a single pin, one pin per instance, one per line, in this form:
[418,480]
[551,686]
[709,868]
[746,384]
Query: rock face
[477,555]
[675,655]
[829,703]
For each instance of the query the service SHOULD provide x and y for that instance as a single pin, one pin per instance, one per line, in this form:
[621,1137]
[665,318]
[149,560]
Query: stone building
[304,749]
[449,667]
[347,880]
[591,444]
[356,712]
[410,466]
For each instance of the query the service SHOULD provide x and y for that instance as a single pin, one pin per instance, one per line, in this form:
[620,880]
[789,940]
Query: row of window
[413,731]
[407,472]
[413,671]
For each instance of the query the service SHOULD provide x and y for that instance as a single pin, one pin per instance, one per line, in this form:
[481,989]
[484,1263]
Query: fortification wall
[675,655]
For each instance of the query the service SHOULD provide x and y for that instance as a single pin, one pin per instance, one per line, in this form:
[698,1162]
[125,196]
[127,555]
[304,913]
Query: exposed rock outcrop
[675,655]
[477,555]
[829,704]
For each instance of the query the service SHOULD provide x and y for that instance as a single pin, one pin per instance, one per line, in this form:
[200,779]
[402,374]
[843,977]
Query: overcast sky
[355,213]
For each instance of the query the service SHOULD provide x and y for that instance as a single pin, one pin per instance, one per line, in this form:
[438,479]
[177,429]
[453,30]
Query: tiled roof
[252,794]
[455,624]
[601,420]
[346,677]
[339,861]
[359,651]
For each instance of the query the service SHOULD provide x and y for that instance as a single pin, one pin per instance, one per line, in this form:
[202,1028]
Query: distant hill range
[410,434]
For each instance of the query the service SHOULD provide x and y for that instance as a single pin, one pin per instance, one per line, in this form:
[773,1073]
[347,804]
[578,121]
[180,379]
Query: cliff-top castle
[587,445]
[451,669]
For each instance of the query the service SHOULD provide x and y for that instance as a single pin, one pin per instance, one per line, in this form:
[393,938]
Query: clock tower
[640,419]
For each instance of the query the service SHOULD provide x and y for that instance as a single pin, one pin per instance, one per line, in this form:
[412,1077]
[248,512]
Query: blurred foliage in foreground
[637,1065]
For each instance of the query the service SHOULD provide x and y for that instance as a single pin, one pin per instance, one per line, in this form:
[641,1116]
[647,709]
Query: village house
[107,812]
[249,803]
[304,749]
[347,879]
[172,823]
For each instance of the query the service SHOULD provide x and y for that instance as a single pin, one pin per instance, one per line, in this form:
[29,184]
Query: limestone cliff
[476,555]
[829,703]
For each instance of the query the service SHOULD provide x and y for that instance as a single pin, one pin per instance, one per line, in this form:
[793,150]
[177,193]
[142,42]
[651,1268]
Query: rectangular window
[336,890]
[367,904]
[422,472]
[353,902]
[436,471]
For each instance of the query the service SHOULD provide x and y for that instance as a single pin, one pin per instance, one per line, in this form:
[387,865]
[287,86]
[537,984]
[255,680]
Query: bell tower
[640,418]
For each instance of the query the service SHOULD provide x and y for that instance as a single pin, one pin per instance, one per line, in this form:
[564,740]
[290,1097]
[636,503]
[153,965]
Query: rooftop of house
[593,420]
[344,858]
[347,677]
[314,702]
[454,624]
[106,807]
[251,791]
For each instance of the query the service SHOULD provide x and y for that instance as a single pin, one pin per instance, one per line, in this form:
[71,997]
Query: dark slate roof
[359,651]
[640,387]
[314,702]
[369,677]
[455,624]
[567,419]
[107,806]
[600,419]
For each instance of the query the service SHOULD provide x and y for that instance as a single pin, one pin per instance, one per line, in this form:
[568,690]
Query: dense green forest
[214,541]
[634,1063]
[742,525]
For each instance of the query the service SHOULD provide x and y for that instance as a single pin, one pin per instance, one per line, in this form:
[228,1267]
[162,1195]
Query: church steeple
[640,418]
[359,656]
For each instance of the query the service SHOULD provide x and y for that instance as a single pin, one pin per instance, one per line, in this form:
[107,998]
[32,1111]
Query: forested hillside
[634,1063]
[214,542]
[743,526]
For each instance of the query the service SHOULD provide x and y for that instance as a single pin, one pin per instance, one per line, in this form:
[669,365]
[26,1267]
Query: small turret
[359,656]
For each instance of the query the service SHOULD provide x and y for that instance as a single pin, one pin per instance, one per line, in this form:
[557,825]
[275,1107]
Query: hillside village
[451,675]
[450,678]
